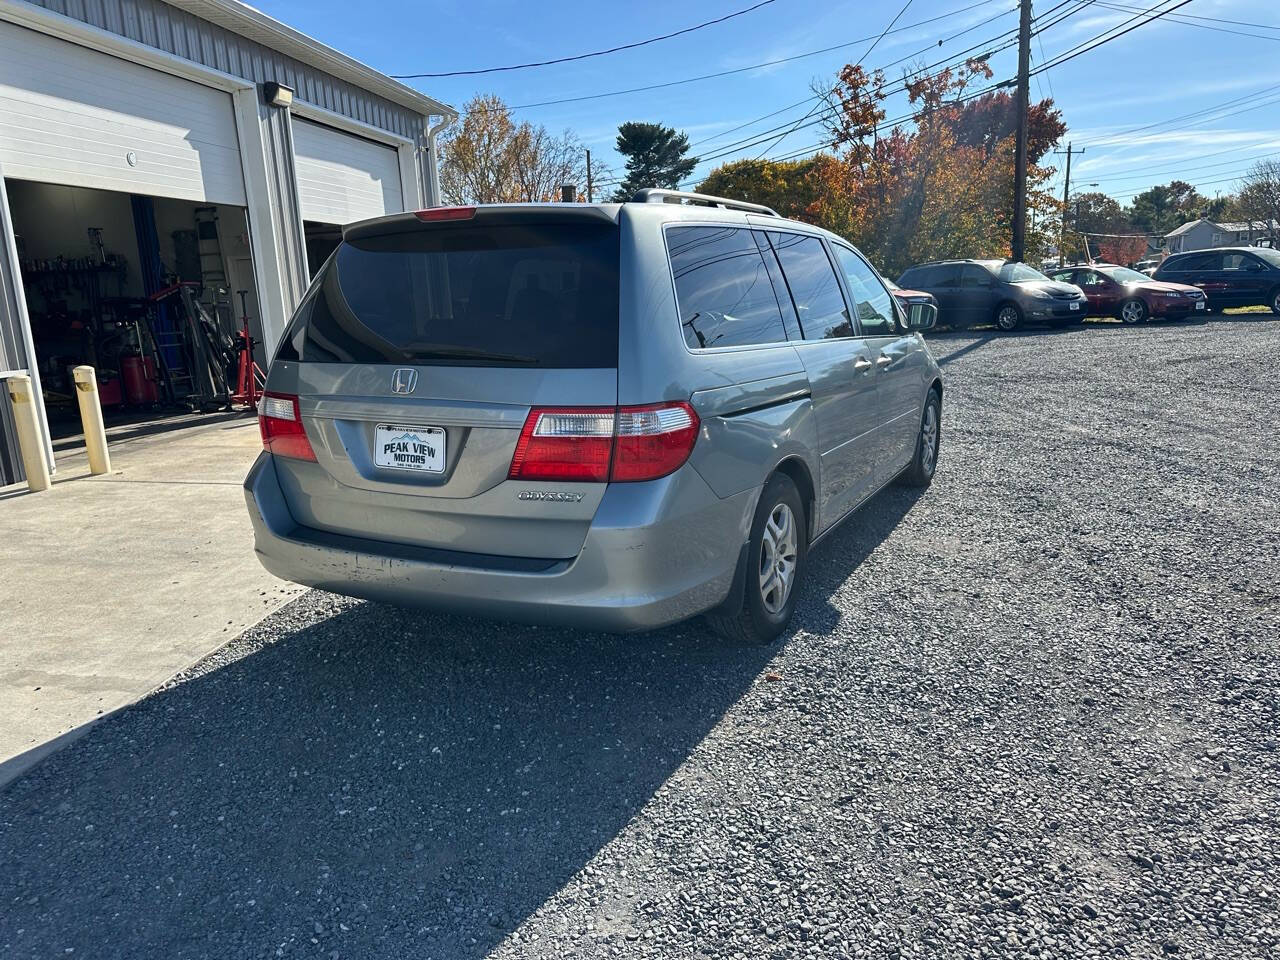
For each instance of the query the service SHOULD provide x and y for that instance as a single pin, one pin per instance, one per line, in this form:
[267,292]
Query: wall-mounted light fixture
[277,94]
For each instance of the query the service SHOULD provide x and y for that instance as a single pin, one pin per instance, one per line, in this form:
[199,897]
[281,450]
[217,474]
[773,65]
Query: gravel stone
[1031,712]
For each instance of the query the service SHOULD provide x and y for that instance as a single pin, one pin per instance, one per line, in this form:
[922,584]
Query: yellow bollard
[95,434]
[30,438]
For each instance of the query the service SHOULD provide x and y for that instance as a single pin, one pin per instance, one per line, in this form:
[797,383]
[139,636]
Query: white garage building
[146,142]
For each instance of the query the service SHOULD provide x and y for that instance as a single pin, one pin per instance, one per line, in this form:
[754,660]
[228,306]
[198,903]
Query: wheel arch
[798,472]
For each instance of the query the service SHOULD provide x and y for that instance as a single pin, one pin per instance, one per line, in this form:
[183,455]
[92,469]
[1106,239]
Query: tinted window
[872,304]
[974,277]
[1241,261]
[494,296]
[815,291]
[1197,261]
[945,275]
[725,295]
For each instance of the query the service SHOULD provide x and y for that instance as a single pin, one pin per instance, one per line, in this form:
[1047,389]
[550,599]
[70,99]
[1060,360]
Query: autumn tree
[788,186]
[656,156]
[489,158]
[1259,197]
[942,187]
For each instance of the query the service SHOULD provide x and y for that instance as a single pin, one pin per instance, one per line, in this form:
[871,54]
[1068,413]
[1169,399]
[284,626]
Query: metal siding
[214,46]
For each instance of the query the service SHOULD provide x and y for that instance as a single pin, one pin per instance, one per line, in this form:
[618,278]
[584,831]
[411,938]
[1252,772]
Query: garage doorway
[144,289]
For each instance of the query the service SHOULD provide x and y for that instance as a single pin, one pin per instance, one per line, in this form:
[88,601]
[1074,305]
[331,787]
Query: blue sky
[1206,92]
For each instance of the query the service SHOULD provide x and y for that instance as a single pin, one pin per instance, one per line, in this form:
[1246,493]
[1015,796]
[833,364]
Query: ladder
[213,271]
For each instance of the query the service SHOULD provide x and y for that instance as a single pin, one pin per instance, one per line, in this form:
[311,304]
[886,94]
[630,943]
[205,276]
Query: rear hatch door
[416,358]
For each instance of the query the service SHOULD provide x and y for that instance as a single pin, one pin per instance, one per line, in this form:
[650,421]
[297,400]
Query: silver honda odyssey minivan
[612,416]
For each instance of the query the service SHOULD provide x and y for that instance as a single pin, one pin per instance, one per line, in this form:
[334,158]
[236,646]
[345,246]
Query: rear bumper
[656,553]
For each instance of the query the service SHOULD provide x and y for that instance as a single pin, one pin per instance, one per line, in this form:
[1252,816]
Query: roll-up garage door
[342,177]
[74,116]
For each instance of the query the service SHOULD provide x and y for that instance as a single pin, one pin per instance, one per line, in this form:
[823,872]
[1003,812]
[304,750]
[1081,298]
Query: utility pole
[1020,163]
[590,194]
[1066,192]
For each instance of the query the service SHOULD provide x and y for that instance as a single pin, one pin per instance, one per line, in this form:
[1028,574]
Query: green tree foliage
[1164,207]
[655,157]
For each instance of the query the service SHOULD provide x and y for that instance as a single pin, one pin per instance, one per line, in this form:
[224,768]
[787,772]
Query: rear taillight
[596,444]
[653,441]
[564,443]
[280,421]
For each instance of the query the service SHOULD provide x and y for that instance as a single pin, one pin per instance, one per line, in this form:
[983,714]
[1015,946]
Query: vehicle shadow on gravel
[357,780]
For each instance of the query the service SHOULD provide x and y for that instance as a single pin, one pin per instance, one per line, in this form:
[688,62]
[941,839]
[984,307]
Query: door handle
[883,361]
[861,364]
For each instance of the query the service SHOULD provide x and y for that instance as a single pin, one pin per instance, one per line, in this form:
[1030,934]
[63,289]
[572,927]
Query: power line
[1203,183]
[803,101]
[757,66]
[1269,143]
[1125,181]
[763,136]
[1102,38]
[824,99]
[1188,22]
[754,140]
[583,56]
[1200,114]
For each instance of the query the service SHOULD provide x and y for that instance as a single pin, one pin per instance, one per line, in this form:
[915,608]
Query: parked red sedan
[906,298]
[1132,296]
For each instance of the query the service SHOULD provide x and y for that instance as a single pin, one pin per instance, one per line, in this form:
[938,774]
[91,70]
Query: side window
[1199,261]
[974,278]
[813,285]
[1064,276]
[723,289]
[945,275]
[872,303]
[1241,261]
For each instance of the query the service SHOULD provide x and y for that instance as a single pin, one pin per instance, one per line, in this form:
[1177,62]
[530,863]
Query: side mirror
[921,316]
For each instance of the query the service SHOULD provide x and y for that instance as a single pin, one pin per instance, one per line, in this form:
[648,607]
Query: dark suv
[1006,293]
[1229,277]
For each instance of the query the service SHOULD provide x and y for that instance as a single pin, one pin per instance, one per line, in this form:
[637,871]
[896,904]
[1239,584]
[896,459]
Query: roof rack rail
[656,195]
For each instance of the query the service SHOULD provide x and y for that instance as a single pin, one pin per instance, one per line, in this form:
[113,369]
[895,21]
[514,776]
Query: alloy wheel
[929,439]
[1132,311]
[778,548]
[1007,318]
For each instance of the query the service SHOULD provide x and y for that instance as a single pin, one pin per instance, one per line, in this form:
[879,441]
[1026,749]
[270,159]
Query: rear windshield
[527,295]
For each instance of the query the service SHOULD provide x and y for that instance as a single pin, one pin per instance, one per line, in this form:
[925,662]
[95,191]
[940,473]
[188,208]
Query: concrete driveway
[113,584]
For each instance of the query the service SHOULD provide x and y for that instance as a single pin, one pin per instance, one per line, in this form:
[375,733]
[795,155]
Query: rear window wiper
[441,351]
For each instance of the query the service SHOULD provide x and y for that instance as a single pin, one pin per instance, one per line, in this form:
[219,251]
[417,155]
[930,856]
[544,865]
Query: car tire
[1275,301]
[1133,311]
[779,534]
[924,464]
[1008,316]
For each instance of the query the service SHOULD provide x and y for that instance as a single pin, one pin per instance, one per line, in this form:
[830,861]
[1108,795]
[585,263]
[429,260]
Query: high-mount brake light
[280,422]
[434,214]
[599,444]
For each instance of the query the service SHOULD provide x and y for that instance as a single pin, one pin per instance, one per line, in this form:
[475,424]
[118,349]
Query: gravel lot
[1033,712]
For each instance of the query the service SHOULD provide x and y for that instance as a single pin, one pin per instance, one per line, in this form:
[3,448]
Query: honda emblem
[404,380]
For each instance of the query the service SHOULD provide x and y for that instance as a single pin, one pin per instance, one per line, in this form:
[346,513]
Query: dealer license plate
[419,449]
[1075,306]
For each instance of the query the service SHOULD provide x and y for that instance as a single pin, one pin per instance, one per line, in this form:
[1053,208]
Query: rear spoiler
[492,214]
